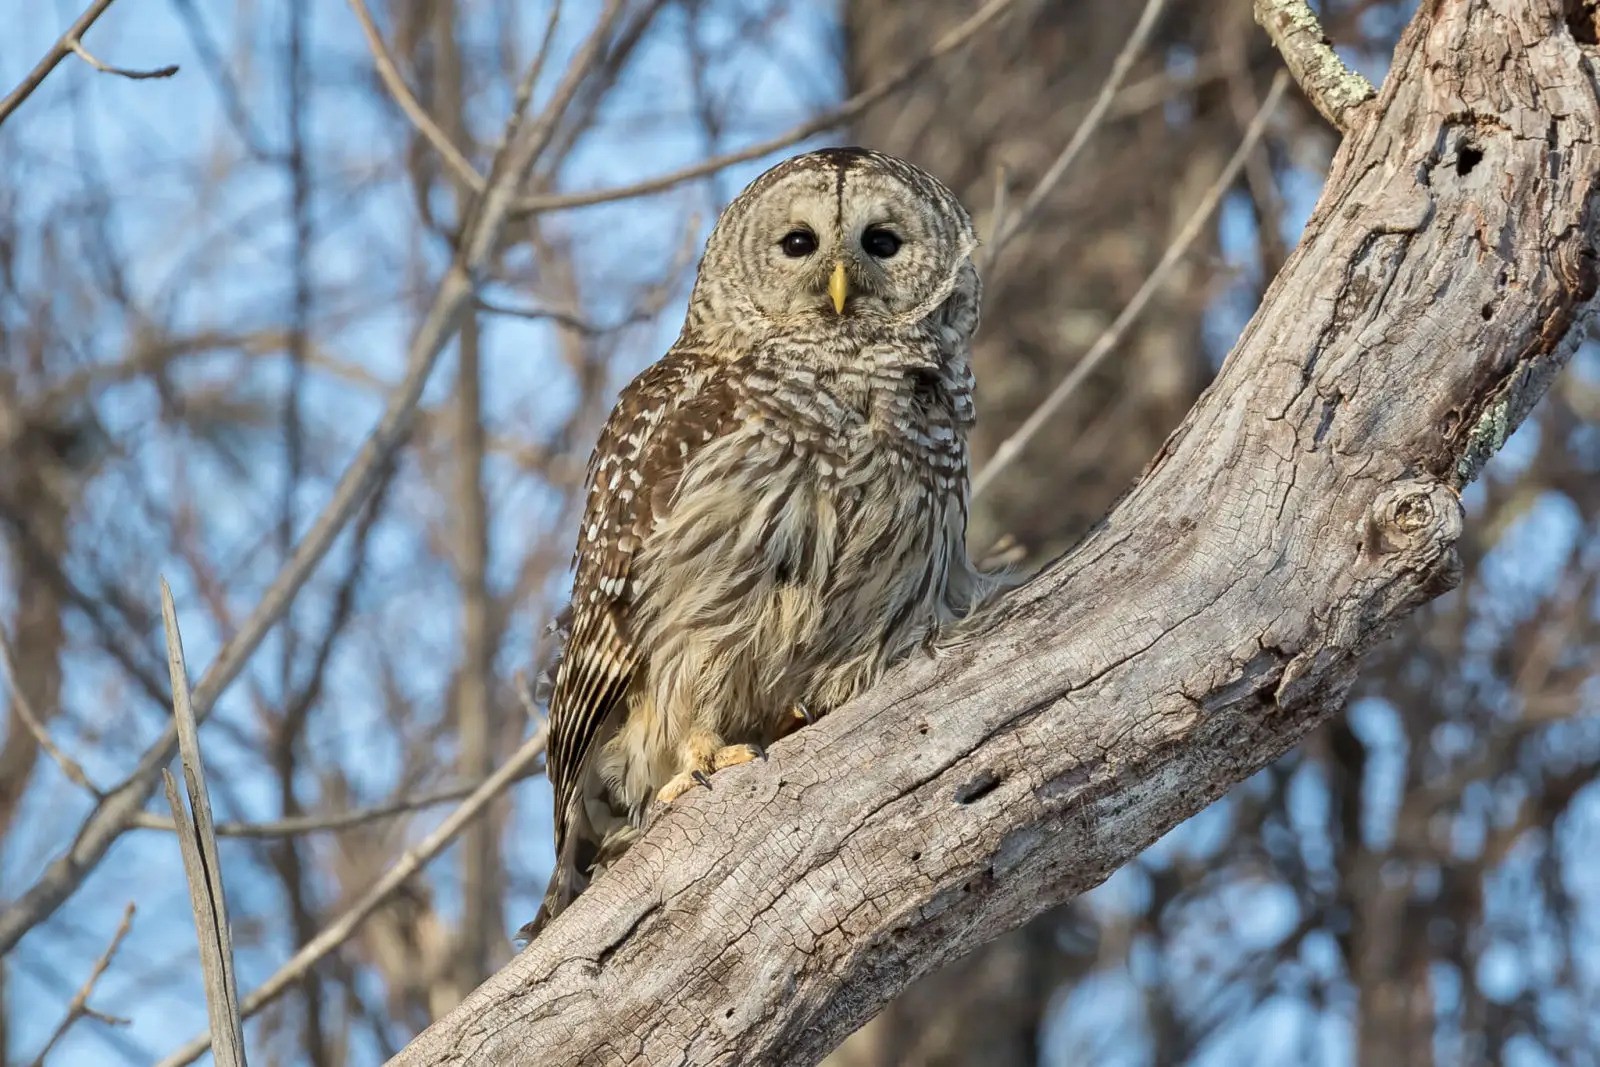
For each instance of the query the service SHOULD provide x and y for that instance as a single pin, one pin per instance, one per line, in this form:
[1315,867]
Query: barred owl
[777,509]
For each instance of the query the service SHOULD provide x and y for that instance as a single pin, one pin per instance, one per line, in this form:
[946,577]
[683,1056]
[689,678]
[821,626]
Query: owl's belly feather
[782,578]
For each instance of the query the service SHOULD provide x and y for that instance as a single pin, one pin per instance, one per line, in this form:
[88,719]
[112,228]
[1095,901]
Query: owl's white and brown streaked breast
[762,533]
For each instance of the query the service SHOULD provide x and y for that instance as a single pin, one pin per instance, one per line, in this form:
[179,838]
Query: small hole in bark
[978,788]
[728,1014]
[1487,311]
[1467,157]
[915,856]
[1583,19]
[923,729]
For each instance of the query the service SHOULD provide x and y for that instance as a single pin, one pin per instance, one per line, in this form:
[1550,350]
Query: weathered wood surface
[1307,502]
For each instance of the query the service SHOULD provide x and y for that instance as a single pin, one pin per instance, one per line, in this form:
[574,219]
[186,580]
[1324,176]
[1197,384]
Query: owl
[777,509]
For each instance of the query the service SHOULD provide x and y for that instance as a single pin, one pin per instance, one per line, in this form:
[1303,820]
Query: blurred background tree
[206,288]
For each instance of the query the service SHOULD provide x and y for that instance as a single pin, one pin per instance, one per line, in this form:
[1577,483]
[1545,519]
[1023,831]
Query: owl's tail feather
[583,853]
[556,898]
[566,882]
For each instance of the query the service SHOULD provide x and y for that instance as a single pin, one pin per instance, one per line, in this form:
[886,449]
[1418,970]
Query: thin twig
[530,77]
[839,116]
[59,51]
[79,1008]
[1332,87]
[414,859]
[649,304]
[570,319]
[122,72]
[389,73]
[480,236]
[35,725]
[1108,340]
[1005,229]
[197,840]
[328,821]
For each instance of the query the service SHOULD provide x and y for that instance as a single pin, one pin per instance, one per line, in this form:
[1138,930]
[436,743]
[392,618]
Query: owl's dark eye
[797,244]
[880,243]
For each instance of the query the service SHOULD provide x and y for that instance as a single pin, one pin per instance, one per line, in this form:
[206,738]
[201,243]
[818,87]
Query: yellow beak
[839,288]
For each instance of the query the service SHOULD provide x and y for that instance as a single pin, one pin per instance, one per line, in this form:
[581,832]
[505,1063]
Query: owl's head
[842,237]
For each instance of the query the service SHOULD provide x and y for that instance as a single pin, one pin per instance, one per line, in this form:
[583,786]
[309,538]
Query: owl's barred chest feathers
[805,549]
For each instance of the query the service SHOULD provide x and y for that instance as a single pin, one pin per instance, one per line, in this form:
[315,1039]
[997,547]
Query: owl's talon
[805,713]
[709,764]
[679,785]
[733,755]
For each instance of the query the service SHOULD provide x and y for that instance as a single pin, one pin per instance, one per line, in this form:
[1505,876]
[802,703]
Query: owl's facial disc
[840,235]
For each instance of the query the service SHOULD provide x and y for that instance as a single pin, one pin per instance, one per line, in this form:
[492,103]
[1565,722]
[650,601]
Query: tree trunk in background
[1059,282]
[39,486]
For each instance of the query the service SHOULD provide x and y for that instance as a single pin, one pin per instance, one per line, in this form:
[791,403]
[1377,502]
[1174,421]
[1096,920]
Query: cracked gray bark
[1017,96]
[1307,503]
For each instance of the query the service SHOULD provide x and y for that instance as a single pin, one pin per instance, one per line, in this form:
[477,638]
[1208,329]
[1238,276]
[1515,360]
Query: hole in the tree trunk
[978,788]
[1583,19]
[1467,157]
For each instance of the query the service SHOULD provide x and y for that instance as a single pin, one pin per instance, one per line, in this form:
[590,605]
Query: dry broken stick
[197,840]
[1333,88]
[79,1007]
[339,930]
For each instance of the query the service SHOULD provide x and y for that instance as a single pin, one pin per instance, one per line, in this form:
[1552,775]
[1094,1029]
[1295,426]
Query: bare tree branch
[960,35]
[1309,500]
[524,141]
[333,820]
[35,725]
[122,72]
[69,43]
[1005,228]
[1333,88]
[1107,342]
[79,1007]
[389,73]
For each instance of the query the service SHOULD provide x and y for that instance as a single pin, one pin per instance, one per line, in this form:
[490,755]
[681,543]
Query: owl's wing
[661,420]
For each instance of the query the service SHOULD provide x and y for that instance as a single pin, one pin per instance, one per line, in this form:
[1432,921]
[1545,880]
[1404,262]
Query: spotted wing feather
[660,421]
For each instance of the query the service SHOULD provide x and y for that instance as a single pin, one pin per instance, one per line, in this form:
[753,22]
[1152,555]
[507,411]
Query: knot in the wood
[1418,518]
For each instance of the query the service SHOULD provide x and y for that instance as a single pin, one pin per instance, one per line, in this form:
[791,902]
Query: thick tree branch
[1332,87]
[1308,501]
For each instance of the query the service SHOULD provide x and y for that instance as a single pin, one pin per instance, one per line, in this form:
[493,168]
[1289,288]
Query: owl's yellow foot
[704,764]
[799,716]
[733,755]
